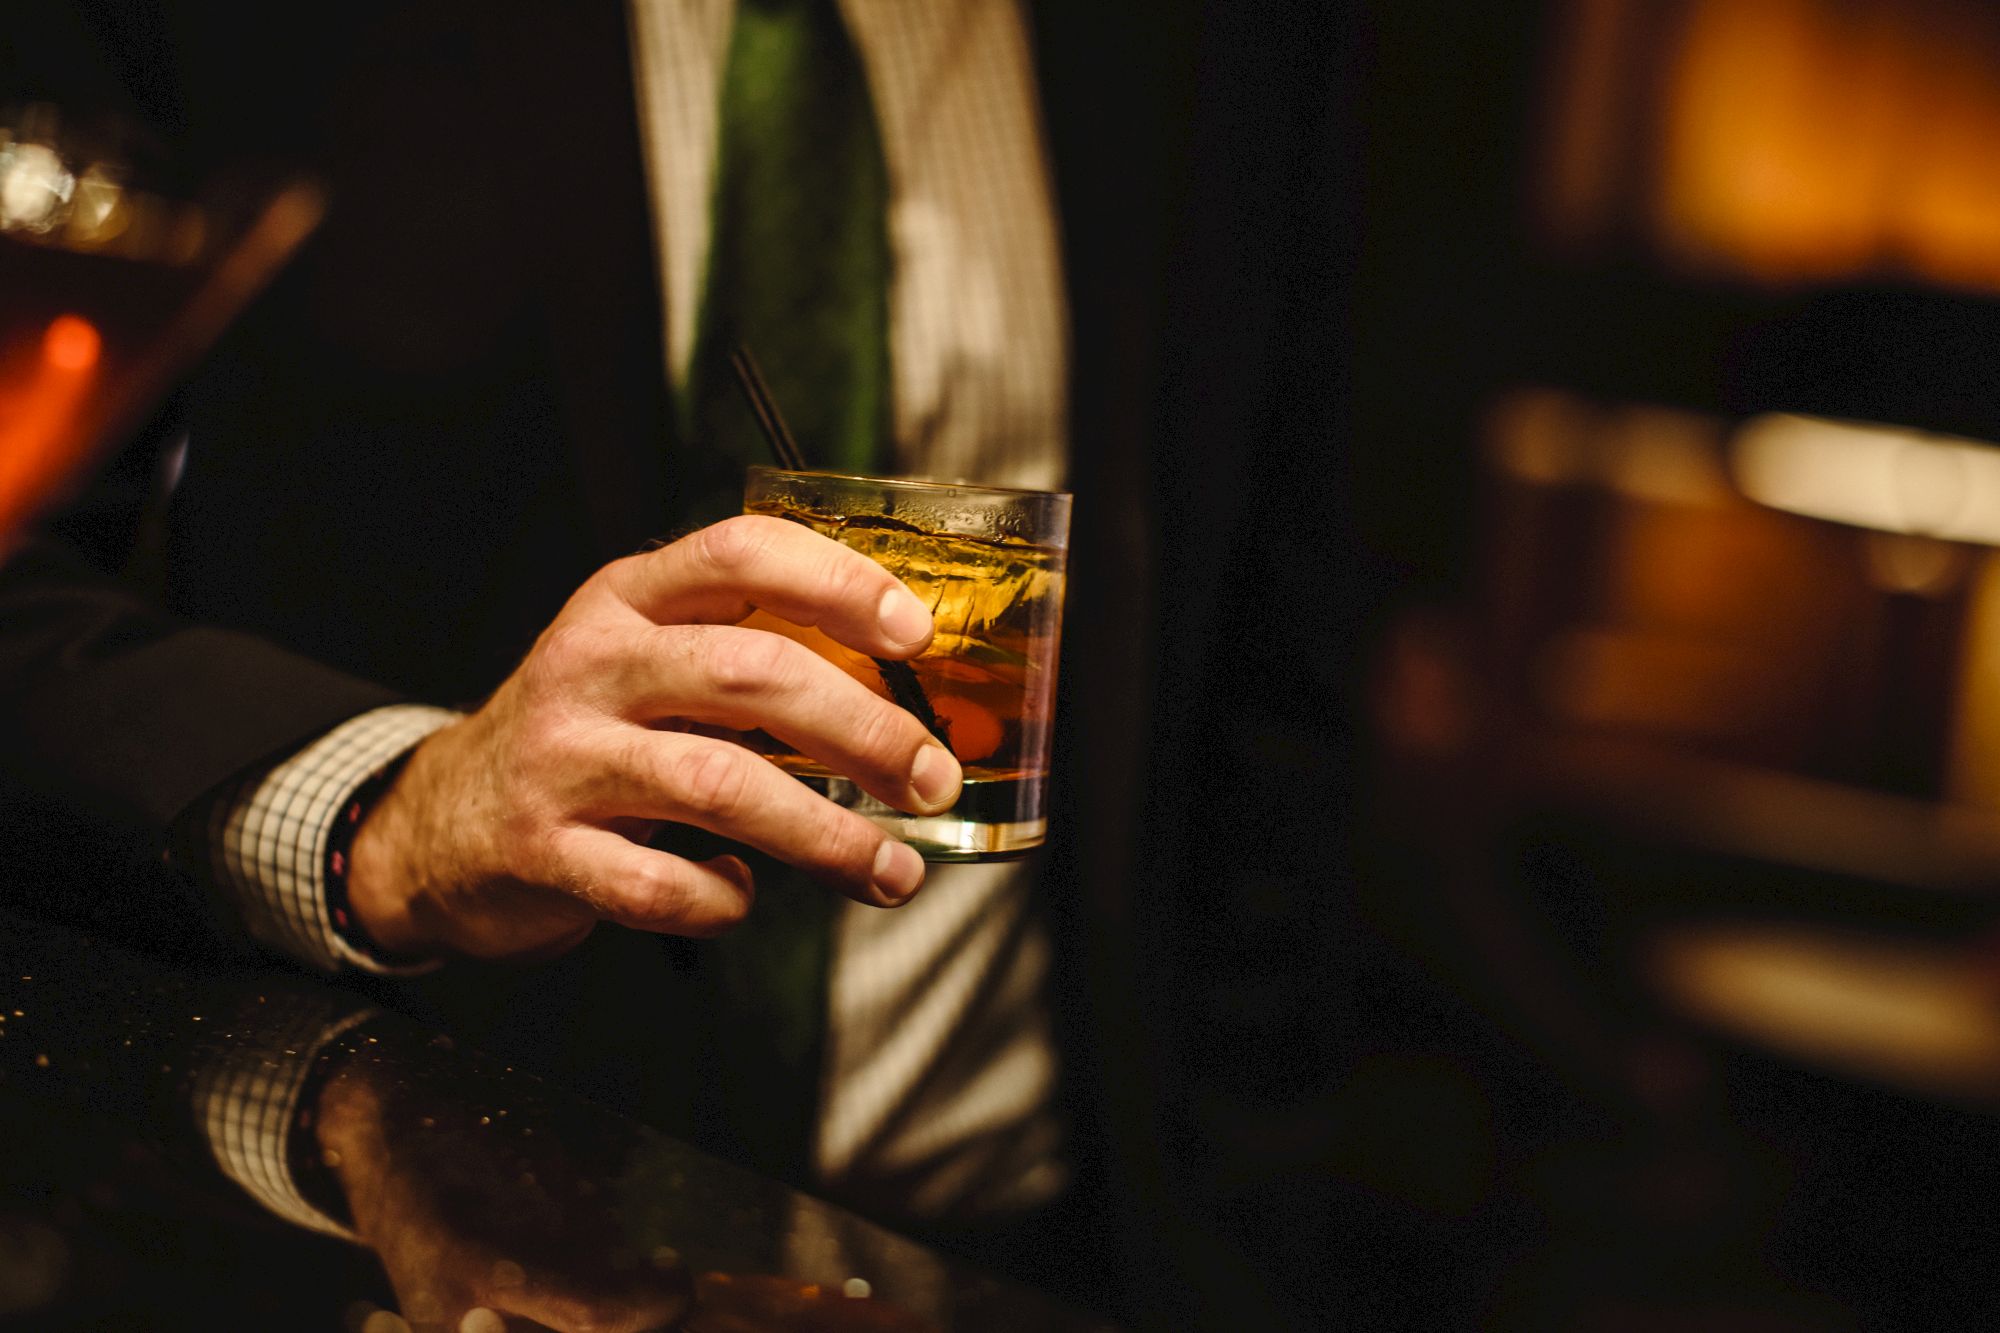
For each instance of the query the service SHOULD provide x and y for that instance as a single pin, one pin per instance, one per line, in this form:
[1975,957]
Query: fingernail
[903,617]
[935,776]
[898,870]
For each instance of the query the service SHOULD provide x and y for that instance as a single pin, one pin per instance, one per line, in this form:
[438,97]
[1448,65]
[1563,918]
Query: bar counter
[192,1149]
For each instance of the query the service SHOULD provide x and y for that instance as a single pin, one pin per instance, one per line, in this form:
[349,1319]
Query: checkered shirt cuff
[245,1096]
[267,836]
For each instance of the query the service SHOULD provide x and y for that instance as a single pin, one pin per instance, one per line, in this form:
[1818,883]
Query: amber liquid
[988,675]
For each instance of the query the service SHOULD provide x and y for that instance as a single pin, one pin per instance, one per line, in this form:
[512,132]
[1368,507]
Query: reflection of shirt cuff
[267,835]
[245,1096]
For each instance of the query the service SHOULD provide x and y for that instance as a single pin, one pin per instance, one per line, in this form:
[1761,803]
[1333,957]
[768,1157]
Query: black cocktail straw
[765,408]
[904,687]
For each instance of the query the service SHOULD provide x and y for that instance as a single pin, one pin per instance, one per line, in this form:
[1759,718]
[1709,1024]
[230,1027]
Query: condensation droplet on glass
[385,1321]
[856,1288]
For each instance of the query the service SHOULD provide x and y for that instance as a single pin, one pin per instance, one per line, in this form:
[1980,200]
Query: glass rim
[912,483]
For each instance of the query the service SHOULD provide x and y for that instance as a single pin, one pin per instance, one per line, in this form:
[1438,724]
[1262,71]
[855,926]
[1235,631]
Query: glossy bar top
[424,1186]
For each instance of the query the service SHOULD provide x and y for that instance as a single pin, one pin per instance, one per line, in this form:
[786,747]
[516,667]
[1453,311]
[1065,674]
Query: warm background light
[1784,140]
[1880,1007]
[72,343]
[1878,477]
[43,387]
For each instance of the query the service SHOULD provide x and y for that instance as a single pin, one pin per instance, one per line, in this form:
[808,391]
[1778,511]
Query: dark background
[1411,1073]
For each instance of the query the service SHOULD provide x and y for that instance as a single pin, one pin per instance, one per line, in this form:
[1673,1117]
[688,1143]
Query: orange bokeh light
[71,343]
[46,392]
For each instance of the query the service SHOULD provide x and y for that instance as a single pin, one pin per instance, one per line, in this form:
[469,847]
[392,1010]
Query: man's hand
[511,833]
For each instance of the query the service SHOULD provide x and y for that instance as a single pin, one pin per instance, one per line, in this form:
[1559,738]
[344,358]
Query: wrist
[373,884]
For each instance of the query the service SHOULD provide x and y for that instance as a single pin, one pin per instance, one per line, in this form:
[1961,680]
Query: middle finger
[721,787]
[749,679]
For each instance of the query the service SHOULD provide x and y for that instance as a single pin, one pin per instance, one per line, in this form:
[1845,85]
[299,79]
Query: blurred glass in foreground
[113,279]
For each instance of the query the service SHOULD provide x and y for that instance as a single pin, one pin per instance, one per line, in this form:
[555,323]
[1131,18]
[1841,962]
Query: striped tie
[799,258]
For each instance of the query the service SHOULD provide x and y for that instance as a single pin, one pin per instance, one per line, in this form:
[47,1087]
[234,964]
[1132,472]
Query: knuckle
[885,735]
[633,757]
[658,894]
[851,578]
[731,546]
[570,649]
[626,582]
[711,781]
[613,579]
[530,839]
[746,663]
[547,741]
[849,844]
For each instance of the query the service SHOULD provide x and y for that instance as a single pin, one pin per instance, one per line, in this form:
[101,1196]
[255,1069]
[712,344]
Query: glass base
[958,834]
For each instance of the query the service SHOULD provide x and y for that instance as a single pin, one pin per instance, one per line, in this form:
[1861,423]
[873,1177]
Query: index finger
[719,574]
